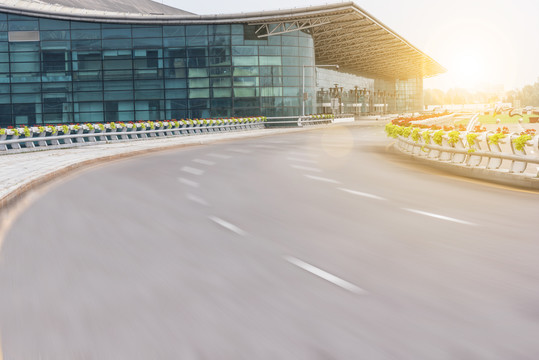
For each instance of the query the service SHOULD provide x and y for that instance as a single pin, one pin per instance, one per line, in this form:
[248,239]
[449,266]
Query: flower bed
[65,129]
[407,121]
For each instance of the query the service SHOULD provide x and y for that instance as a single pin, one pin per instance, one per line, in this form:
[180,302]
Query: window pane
[245,60]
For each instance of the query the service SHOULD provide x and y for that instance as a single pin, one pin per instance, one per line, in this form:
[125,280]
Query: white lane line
[197,199]
[318,178]
[227,225]
[203,162]
[325,275]
[220,156]
[440,217]
[192,170]
[188,182]
[358,193]
[297,153]
[301,160]
[241,151]
[306,168]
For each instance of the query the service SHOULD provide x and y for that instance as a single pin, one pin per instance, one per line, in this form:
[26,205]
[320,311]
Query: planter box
[534,119]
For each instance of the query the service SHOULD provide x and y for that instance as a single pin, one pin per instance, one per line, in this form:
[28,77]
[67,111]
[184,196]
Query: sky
[481,43]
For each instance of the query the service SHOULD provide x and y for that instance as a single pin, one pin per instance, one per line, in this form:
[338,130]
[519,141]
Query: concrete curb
[493,176]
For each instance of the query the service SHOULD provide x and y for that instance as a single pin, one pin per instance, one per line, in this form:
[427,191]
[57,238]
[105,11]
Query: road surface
[311,245]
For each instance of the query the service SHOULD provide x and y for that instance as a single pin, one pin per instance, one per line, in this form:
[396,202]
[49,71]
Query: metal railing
[49,137]
[64,136]
[497,155]
[299,120]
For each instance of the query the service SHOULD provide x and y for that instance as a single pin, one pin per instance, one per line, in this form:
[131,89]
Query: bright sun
[467,69]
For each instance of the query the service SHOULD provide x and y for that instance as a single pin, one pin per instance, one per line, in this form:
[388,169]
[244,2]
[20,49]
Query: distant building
[75,61]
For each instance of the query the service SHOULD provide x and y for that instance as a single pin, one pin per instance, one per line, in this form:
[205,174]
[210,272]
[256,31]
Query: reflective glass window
[221,82]
[51,24]
[23,25]
[196,30]
[147,43]
[140,32]
[219,29]
[252,102]
[199,83]
[220,71]
[246,71]
[269,50]
[86,45]
[270,60]
[85,25]
[172,31]
[245,60]
[117,44]
[219,40]
[174,42]
[24,46]
[199,93]
[86,34]
[197,41]
[246,81]
[245,50]
[198,72]
[54,35]
[175,83]
[220,93]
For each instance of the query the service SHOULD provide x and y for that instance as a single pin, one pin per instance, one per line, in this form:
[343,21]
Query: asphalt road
[313,245]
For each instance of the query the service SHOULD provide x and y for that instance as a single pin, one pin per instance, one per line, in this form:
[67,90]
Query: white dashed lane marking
[227,225]
[192,170]
[204,162]
[241,151]
[301,160]
[325,275]
[318,178]
[358,193]
[188,182]
[441,217]
[197,199]
[306,168]
[220,156]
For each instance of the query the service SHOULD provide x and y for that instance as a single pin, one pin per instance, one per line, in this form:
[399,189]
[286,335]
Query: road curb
[493,176]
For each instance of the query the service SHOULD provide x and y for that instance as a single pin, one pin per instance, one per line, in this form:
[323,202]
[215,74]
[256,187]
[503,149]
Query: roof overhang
[344,34]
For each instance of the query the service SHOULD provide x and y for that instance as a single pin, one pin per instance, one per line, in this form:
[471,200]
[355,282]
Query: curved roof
[344,34]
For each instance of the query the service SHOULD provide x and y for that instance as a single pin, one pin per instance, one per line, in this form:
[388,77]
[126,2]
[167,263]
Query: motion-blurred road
[311,245]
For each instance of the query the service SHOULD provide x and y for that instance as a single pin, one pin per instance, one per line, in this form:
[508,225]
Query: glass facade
[55,71]
[339,92]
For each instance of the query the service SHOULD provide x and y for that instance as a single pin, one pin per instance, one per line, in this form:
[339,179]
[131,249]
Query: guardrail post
[15,145]
[90,137]
[494,163]
[66,140]
[54,132]
[459,158]
[80,139]
[42,142]
[103,135]
[475,160]
[517,166]
[3,147]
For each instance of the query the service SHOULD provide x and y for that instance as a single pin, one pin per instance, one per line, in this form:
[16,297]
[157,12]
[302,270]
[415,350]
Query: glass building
[140,60]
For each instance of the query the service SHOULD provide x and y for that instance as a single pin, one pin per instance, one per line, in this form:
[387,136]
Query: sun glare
[467,69]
